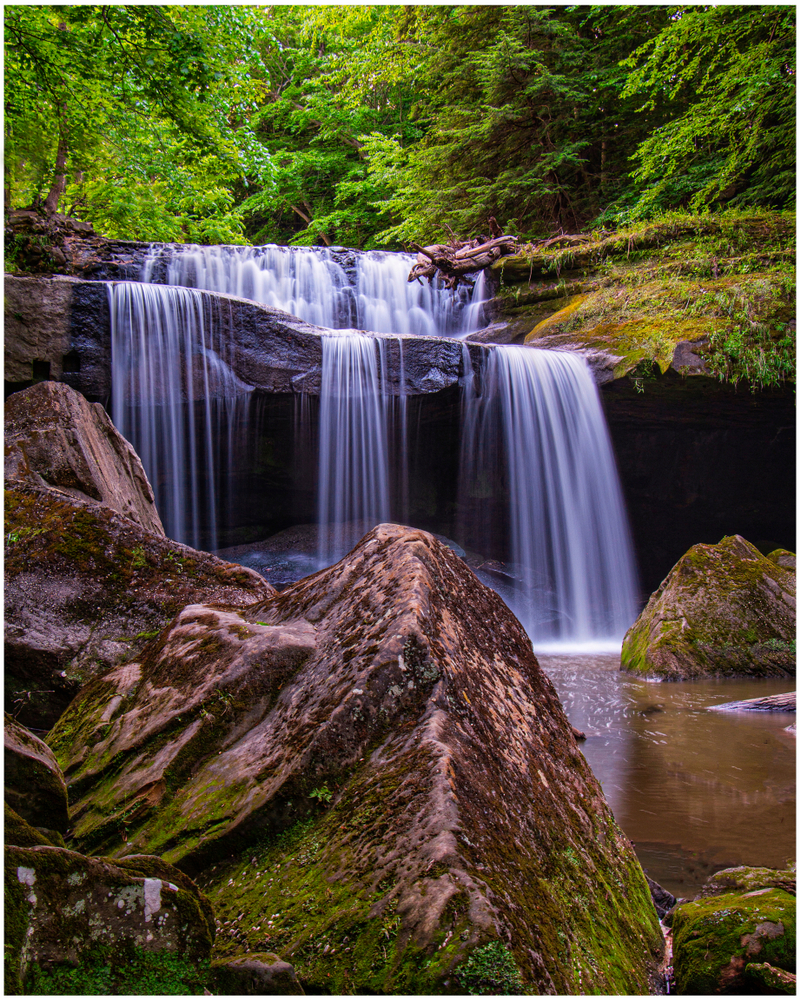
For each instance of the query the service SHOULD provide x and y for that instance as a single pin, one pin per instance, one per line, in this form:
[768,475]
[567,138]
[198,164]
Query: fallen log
[454,261]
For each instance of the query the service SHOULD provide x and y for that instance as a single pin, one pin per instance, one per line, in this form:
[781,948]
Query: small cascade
[305,283]
[174,396]
[341,290]
[353,444]
[538,428]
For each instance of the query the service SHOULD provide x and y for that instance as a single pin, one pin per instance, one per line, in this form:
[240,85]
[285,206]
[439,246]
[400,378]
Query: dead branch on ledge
[454,261]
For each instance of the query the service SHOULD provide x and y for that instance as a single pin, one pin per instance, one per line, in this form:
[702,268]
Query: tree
[726,75]
[137,114]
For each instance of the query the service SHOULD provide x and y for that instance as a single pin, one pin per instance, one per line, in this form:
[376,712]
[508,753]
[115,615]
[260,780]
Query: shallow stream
[694,790]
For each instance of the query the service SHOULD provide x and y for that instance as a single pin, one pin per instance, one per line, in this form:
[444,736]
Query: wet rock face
[61,907]
[718,938]
[86,588]
[372,777]
[54,437]
[723,611]
[34,785]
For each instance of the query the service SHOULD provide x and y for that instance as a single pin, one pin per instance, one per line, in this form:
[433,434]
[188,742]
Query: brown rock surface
[87,588]
[34,785]
[55,437]
[383,775]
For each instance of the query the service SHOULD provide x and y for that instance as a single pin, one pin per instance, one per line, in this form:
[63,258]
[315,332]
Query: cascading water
[373,293]
[353,444]
[172,391]
[538,428]
[535,427]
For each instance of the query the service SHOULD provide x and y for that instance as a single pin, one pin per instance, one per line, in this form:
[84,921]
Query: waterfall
[172,391]
[353,444]
[538,428]
[537,491]
[338,290]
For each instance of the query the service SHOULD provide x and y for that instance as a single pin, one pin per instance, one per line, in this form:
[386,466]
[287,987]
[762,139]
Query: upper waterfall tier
[338,289]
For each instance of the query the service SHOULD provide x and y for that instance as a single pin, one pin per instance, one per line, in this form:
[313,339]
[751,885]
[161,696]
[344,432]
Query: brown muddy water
[695,791]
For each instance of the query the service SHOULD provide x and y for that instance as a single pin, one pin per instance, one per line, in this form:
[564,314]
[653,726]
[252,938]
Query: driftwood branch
[454,261]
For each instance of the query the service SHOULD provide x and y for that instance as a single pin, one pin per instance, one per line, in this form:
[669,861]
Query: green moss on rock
[724,610]
[714,939]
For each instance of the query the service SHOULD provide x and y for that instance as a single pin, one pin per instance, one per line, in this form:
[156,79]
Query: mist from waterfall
[538,429]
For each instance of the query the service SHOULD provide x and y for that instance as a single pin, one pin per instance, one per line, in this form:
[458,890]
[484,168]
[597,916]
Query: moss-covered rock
[64,911]
[87,588]
[723,611]
[55,437]
[34,785]
[715,938]
[373,779]
[746,879]
[706,295]
[255,974]
[20,833]
[767,979]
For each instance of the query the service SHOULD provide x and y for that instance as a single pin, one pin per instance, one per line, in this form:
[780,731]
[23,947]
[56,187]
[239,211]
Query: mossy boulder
[64,911]
[87,588]
[34,785]
[716,937]
[373,779]
[255,975]
[746,879]
[20,833]
[724,610]
[55,437]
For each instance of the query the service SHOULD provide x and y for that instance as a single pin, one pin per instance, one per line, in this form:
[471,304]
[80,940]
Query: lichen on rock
[63,909]
[724,610]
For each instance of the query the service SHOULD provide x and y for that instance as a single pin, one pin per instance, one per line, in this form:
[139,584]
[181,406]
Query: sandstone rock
[34,785]
[255,975]
[723,611]
[87,588]
[54,437]
[382,776]
[50,319]
[717,936]
[64,909]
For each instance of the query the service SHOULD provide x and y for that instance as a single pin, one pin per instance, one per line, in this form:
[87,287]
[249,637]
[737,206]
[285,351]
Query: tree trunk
[59,184]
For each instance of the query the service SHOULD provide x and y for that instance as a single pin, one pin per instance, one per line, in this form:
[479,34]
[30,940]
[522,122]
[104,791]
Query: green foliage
[134,973]
[142,110]
[322,794]
[725,74]
[378,125]
[491,970]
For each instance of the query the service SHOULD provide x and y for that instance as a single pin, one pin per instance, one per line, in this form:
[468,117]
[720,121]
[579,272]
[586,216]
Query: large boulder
[76,925]
[34,785]
[723,611]
[745,917]
[55,437]
[87,588]
[374,780]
